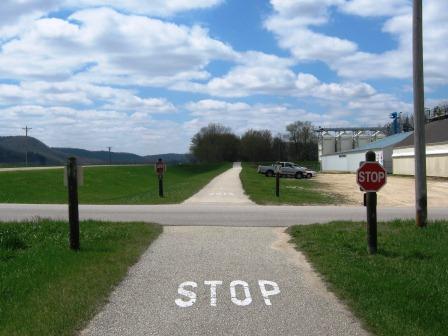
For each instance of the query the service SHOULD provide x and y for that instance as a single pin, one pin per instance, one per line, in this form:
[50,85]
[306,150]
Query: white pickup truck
[287,169]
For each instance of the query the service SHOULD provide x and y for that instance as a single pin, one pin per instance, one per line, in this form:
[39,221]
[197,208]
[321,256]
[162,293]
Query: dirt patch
[398,192]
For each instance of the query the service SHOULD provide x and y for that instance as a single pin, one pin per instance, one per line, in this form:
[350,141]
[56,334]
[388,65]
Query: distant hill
[169,158]
[13,148]
[99,157]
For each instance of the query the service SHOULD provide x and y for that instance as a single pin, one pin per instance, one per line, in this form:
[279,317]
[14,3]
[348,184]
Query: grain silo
[361,139]
[328,144]
[378,136]
[344,142]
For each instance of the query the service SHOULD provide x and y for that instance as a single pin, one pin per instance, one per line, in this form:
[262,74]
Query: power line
[26,129]
[110,155]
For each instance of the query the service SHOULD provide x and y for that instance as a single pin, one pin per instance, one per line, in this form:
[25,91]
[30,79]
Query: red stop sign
[371,176]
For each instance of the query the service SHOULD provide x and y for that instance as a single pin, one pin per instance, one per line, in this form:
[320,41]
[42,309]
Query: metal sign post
[371,177]
[160,168]
[73,205]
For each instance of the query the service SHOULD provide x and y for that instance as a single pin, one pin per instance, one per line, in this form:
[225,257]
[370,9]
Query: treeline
[217,143]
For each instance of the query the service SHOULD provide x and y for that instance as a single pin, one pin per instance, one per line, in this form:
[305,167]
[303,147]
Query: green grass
[108,185]
[47,289]
[261,189]
[403,290]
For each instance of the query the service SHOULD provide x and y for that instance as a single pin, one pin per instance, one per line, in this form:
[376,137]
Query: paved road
[294,302]
[211,215]
[225,188]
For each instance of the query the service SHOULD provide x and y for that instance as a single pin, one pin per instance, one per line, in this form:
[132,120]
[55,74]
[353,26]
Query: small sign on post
[371,177]
[160,168]
[72,173]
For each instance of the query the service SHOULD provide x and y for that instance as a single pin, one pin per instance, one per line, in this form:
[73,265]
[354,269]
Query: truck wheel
[299,175]
[269,173]
[309,175]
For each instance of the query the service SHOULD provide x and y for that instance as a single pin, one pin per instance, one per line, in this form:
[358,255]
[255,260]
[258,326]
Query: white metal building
[436,152]
[348,160]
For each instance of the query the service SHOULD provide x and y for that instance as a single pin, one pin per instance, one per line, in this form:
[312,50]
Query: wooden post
[371,202]
[73,206]
[277,183]
[161,185]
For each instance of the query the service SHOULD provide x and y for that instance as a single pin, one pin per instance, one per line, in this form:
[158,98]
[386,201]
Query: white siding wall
[346,162]
[436,160]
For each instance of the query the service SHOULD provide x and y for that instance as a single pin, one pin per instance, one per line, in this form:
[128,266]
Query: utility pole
[26,129]
[421,197]
[110,155]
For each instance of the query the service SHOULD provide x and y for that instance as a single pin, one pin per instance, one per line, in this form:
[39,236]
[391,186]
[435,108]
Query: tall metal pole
[421,197]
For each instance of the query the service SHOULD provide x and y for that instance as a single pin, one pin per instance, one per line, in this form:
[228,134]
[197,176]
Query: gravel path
[225,188]
[291,301]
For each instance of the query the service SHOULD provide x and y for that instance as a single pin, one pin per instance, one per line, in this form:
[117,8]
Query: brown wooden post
[73,205]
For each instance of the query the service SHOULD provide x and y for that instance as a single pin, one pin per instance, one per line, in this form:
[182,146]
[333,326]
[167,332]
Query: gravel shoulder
[398,192]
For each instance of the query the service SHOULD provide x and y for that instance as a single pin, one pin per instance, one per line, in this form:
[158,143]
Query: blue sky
[145,76]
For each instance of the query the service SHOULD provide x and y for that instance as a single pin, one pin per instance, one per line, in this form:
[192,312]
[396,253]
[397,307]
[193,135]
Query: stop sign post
[371,177]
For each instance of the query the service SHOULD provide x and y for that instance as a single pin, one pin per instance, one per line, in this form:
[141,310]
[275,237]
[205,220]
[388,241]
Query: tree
[256,145]
[215,143]
[279,148]
[303,141]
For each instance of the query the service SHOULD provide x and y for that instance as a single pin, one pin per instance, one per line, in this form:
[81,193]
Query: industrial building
[436,152]
[343,152]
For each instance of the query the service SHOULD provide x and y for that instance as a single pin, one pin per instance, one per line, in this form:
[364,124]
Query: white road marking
[235,300]
[213,285]
[189,294]
[222,194]
[267,289]
[266,293]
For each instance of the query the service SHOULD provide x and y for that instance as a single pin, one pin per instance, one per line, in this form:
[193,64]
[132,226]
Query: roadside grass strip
[109,185]
[47,289]
[403,290]
[261,189]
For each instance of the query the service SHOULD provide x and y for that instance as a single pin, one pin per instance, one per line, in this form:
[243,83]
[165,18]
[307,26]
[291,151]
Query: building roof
[436,131]
[391,140]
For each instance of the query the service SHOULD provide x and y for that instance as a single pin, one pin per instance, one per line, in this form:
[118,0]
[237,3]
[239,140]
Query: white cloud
[369,8]
[256,73]
[18,16]
[309,85]
[105,46]
[241,116]
[96,129]
[147,7]
[293,25]
[74,93]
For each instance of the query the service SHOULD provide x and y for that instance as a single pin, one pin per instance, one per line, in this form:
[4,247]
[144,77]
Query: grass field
[403,290]
[47,289]
[261,189]
[108,185]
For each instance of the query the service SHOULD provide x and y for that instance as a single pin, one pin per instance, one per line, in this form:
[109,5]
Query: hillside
[99,157]
[13,148]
